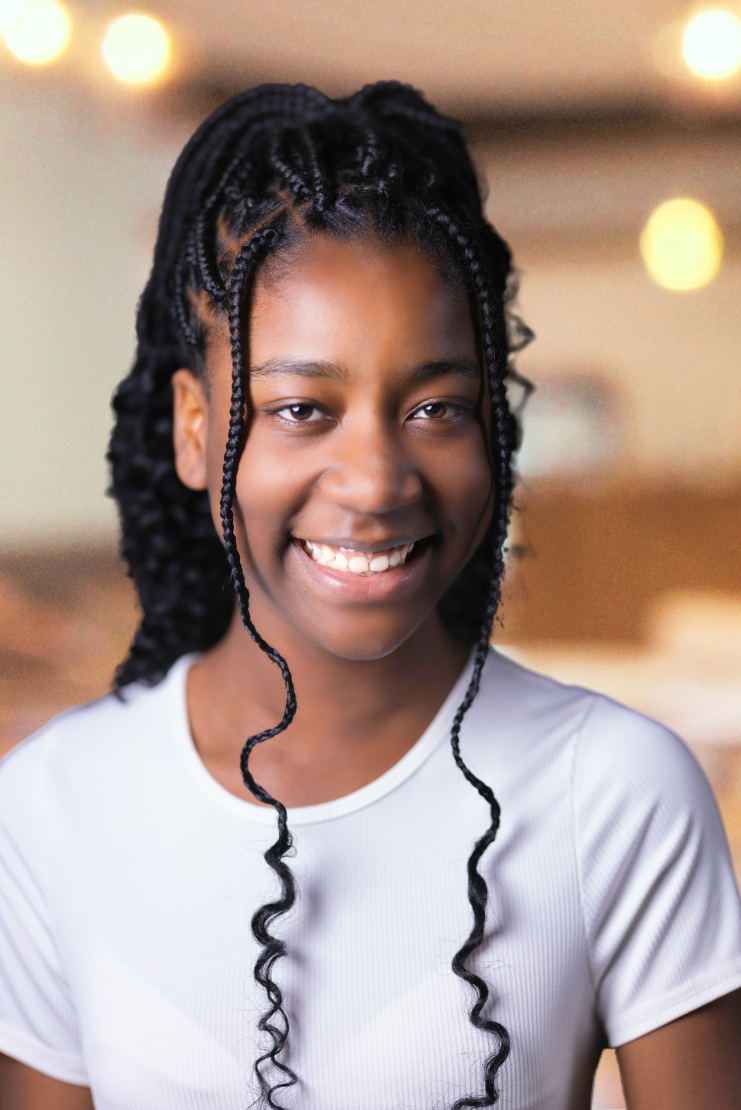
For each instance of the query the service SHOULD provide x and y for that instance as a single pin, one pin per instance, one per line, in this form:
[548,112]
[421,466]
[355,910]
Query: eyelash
[297,405]
[455,409]
[458,409]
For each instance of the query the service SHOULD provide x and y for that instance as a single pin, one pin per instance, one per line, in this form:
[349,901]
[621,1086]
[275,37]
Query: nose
[371,473]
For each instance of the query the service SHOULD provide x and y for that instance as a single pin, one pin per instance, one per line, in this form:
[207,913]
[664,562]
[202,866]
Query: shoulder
[527,700]
[84,745]
[642,806]
[522,726]
[659,904]
[621,770]
[611,743]
[659,900]
[626,763]
[647,828]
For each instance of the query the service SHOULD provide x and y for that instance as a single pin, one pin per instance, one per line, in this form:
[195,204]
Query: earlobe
[189,429]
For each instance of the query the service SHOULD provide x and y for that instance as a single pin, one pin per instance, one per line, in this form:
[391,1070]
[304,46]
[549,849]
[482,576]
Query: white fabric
[128,878]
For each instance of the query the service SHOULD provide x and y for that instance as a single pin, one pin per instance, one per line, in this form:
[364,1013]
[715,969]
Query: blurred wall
[81,182]
[572,202]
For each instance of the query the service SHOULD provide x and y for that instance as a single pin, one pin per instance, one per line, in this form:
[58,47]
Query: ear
[189,428]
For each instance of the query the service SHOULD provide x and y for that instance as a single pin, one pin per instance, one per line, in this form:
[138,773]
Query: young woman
[317,424]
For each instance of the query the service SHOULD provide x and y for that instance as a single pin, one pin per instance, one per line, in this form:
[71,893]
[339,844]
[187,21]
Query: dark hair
[273,163]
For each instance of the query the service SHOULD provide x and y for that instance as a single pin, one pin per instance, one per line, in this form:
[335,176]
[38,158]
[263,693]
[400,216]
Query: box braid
[269,166]
[272,948]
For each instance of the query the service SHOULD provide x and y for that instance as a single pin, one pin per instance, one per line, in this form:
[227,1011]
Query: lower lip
[356,587]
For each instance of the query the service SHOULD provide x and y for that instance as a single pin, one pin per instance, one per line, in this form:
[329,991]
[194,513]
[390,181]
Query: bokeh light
[39,32]
[9,11]
[711,44]
[136,49]
[682,245]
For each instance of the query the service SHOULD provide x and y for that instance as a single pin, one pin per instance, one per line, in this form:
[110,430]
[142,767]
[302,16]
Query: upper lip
[361,545]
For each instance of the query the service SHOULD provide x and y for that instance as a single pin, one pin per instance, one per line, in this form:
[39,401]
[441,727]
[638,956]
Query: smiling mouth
[365,563]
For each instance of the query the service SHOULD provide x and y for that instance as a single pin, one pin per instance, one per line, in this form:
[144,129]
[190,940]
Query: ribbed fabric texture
[128,878]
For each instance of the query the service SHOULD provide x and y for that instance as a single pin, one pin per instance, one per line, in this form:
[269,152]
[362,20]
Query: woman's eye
[300,413]
[435,410]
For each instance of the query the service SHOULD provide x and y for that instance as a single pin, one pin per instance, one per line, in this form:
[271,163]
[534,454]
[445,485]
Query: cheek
[462,478]
[271,487]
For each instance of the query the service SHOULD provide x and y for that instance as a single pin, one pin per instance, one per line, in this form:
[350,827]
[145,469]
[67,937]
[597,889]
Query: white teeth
[356,562]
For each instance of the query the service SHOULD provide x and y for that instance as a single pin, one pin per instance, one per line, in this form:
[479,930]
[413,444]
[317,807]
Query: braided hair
[269,165]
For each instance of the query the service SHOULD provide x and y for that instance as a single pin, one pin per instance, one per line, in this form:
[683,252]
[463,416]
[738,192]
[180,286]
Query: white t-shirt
[128,878]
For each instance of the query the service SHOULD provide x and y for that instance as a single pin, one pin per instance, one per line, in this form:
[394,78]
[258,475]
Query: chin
[362,642]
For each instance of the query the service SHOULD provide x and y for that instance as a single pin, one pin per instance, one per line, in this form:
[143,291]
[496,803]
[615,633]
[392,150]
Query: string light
[711,44]
[682,245]
[38,32]
[136,49]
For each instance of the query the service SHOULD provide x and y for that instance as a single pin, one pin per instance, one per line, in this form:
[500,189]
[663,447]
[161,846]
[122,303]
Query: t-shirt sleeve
[660,903]
[38,1022]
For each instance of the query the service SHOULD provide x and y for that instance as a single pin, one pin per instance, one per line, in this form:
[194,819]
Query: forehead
[359,303]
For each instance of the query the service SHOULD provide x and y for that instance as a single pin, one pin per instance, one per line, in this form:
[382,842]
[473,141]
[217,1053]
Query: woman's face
[366,433]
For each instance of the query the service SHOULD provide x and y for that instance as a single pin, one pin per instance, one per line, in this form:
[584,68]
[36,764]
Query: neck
[355,718]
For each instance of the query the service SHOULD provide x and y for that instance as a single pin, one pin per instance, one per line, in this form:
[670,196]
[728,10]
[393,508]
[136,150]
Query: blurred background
[609,138]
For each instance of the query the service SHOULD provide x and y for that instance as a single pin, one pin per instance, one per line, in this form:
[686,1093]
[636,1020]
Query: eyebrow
[320,369]
[276,367]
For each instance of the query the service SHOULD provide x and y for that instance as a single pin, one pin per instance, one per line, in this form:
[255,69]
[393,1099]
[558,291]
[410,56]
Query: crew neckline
[437,730]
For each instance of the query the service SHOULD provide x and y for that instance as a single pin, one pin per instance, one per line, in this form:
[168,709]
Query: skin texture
[370,661]
[22,1088]
[694,1062]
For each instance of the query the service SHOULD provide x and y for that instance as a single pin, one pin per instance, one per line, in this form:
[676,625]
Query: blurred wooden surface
[595,559]
[66,620]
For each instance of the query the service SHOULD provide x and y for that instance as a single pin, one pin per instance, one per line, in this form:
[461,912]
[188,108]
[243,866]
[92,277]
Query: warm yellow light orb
[39,32]
[711,44]
[682,244]
[9,11]
[136,48]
